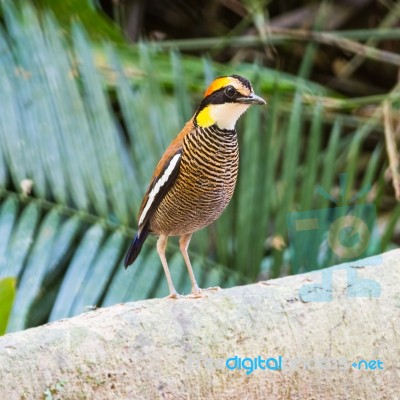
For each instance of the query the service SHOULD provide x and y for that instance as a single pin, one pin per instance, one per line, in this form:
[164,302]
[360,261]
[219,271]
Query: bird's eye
[230,91]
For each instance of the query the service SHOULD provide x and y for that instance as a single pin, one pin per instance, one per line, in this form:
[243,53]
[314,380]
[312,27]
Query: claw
[173,295]
[196,294]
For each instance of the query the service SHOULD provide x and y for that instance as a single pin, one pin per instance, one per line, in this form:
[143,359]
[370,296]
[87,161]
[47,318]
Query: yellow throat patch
[204,118]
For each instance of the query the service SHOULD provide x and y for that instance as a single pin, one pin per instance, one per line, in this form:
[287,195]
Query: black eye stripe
[219,97]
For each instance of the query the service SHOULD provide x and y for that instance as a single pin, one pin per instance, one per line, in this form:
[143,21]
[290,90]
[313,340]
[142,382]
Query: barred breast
[204,186]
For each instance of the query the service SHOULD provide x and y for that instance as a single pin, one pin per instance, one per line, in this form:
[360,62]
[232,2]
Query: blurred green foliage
[7,294]
[84,12]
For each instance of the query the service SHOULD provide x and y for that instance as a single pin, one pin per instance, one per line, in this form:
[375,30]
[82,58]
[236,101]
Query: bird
[195,178]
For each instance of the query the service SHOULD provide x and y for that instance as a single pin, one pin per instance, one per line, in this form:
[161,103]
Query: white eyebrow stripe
[158,185]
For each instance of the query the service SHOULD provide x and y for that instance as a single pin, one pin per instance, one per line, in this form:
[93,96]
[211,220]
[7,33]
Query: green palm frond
[7,294]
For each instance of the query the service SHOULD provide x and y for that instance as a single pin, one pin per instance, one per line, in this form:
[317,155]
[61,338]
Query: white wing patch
[158,185]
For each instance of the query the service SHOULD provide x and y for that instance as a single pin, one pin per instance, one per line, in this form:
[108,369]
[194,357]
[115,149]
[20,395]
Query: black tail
[135,247]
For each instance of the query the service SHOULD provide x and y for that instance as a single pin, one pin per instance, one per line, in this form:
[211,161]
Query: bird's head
[225,100]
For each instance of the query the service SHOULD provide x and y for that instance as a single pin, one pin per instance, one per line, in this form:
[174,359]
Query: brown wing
[163,177]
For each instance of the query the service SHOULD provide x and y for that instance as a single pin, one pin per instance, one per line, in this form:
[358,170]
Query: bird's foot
[196,294]
[173,295]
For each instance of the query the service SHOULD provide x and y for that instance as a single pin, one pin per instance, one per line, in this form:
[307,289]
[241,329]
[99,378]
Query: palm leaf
[7,293]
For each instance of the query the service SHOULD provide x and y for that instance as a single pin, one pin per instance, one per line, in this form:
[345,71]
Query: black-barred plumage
[205,183]
[196,177]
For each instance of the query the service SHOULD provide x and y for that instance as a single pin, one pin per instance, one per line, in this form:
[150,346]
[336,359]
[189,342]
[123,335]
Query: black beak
[251,99]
